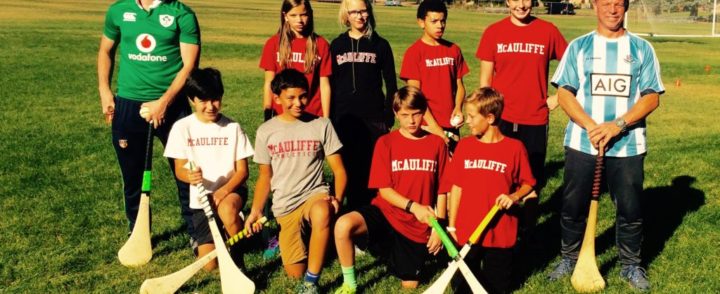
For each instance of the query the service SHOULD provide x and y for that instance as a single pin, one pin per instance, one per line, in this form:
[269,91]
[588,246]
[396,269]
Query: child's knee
[409,284]
[321,213]
[343,226]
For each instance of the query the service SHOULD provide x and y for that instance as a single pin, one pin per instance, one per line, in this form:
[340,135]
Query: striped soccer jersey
[608,77]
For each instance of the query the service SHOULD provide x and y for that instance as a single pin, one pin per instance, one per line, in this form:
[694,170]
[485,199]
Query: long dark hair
[286,36]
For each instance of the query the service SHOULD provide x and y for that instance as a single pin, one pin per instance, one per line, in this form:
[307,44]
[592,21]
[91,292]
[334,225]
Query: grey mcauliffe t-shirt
[295,151]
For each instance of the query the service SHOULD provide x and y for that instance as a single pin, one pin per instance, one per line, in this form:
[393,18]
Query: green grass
[60,189]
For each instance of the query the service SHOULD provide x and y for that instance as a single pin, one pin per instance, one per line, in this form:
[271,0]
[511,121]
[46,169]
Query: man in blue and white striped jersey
[608,83]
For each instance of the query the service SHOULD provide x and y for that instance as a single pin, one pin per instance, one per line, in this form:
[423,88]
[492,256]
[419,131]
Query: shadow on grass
[164,236]
[368,271]
[665,207]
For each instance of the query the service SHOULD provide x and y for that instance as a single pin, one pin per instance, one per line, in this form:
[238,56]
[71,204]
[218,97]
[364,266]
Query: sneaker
[272,250]
[306,288]
[359,252]
[562,269]
[345,289]
[636,276]
[194,245]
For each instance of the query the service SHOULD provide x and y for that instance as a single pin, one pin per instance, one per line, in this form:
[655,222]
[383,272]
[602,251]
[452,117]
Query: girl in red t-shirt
[487,169]
[297,46]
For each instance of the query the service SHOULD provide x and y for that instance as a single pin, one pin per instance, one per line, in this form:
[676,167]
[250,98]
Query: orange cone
[707,68]
[678,83]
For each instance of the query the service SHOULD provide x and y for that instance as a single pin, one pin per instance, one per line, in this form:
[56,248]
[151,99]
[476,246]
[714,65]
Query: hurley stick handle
[452,251]
[242,234]
[483,224]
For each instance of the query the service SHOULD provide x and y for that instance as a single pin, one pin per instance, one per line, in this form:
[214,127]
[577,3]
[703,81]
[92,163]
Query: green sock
[349,276]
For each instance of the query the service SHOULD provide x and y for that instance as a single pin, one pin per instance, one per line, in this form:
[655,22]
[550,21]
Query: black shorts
[534,138]
[202,234]
[404,257]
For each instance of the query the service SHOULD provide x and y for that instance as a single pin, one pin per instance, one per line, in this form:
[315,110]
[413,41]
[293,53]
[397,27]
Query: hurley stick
[475,285]
[137,250]
[442,282]
[170,283]
[586,277]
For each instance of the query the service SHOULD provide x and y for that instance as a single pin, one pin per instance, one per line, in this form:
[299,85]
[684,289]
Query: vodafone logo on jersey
[146,44]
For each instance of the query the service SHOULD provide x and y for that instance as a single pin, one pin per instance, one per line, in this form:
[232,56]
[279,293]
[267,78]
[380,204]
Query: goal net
[673,18]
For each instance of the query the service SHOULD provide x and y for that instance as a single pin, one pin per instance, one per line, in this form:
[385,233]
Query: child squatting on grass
[291,149]
[487,169]
[406,167]
[218,149]
[436,66]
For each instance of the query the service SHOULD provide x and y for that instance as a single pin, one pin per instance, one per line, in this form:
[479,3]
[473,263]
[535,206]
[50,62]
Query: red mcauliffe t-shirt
[413,169]
[484,171]
[437,68]
[323,68]
[522,56]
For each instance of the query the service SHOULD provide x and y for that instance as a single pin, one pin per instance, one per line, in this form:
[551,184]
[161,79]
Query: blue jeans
[129,137]
[624,177]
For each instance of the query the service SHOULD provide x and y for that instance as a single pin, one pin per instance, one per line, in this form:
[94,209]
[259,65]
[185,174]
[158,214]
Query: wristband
[409,205]
[451,229]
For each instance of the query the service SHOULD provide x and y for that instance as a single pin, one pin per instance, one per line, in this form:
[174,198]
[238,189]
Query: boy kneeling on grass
[291,149]
[406,167]
[487,169]
[218,148]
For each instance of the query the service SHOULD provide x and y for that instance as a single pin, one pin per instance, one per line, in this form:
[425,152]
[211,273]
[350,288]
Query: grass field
[62,218]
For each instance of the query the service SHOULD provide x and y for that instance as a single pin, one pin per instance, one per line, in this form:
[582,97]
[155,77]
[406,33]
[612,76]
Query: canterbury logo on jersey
[359,57]
[414,164]
[129,16]
[443,61]
[146,44]
[485,164]
[521,48]
[610,85]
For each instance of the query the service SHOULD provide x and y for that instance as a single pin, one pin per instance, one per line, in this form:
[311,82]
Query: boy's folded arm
[421,212]
[238,178]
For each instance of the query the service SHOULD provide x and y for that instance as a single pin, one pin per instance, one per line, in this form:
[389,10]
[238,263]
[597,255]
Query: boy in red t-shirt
[487,169]
[406,167]
[436,66]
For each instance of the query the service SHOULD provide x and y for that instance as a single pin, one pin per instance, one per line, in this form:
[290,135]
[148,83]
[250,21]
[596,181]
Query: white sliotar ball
[455,120]
[144,112]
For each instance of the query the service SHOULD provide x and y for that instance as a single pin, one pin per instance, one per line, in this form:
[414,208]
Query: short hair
[288,78]
[488,101]
[431,6]
[410,97]
[205,84]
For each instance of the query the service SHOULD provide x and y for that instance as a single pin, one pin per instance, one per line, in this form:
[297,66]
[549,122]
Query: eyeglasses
[357,13]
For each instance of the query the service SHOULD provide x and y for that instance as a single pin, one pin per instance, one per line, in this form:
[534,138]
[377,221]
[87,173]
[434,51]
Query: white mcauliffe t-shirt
[213,147]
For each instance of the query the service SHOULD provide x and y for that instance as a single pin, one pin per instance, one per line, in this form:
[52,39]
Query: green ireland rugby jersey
[149,44]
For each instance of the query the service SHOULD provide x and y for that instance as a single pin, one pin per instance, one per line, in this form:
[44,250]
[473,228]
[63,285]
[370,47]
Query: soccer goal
[673,18]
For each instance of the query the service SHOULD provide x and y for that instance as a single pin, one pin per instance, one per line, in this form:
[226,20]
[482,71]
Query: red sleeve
[325,60]
[559,44]
[410,69]
[380,174]
[450,174]
[443,165]
[486,48]
[525,173]
[268,60]
[461,68]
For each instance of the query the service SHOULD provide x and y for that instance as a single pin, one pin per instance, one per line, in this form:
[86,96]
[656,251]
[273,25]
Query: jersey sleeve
[410,69]
[649,80]
[486,47]
[111,29]
[189,29]
[262,154]
[243,149]
[566,74]
[559,44]
[461,68]
[331,143]
[325,58]
[380,174]
[524,174]
[175,146]
[268,59]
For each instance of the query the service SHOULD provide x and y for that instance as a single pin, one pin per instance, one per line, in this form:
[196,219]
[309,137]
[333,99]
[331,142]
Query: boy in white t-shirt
[219,149]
